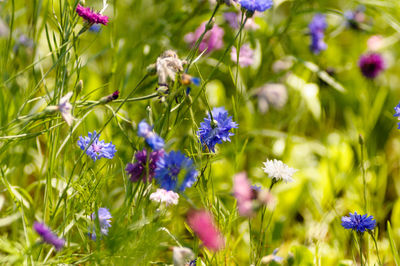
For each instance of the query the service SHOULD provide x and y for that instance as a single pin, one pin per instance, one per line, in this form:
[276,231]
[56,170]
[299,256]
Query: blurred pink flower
[243,193]
[375,42]
[202,224]
[246,55]
[234,20]
[213,39]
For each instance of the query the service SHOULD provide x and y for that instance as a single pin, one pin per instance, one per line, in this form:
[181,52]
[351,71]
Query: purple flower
[216,131]
[137,170]
[397,114]
[175,171]
[152,139]
[213,39]
[358,222]
[48,236]
[246,55]
[104,222]
[91,16]
[317,28]
[97,149]
[256,5]
[371,65]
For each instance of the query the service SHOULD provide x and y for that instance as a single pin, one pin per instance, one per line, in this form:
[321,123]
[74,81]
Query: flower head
[165,196]
[243,193]
[202,224]
[371,65]
[90,16]
[146,131]
[137,170]
[358,222]
[274,95]
[317,28]
[65,108]
[48,236]
[246,55]
[97,149]
[175,171]
[277,170]
[104,221]
[212,40]
[216,131]
[256,5]
[182,256]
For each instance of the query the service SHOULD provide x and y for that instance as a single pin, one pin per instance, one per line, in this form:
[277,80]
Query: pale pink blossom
[213,39]
[246,55]
[375,42]
[203,225]
[243,193]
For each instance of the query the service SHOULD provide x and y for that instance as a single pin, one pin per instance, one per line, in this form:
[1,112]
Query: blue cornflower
[146,131]
[358,222]
[317,28]
[397,114]
[217,130]
[256,5]
[98,149]
[104,222]
[95,28]
[175,171]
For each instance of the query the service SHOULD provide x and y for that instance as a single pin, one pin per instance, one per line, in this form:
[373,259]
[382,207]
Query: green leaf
[393,245]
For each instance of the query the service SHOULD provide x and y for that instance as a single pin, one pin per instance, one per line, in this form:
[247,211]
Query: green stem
[376,247]
[361,249]
[361,141]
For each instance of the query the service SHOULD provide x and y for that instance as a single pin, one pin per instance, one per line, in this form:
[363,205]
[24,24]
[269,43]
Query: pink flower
[244,194]
[246,55]
[375,42]
[212,39]
[91,16]
[202,224]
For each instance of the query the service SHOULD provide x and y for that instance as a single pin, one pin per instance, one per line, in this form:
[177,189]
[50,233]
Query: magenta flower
[246,55]
[371,65]
[90,16]
[213,39]
[202,224]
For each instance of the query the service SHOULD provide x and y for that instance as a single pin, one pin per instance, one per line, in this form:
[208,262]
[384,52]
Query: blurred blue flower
[175,171]
[104,222]
[358,222]
[256,5]
[97,149]
[317,28]
[397,114]
[95,28]
[217,130]
[146,131]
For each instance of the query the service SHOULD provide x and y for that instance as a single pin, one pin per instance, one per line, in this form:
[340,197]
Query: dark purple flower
[371,65]
[137,170]
[48,236]
[91,16]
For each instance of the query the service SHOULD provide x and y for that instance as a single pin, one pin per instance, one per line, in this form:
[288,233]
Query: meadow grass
[336,127]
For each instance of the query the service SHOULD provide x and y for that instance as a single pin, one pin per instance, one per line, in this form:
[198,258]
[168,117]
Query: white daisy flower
[165,196]
[277,170]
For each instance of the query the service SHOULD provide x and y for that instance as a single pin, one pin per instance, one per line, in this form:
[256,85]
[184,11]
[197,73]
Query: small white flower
[182,256]
[65,108]
[277,170]
[165,196]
